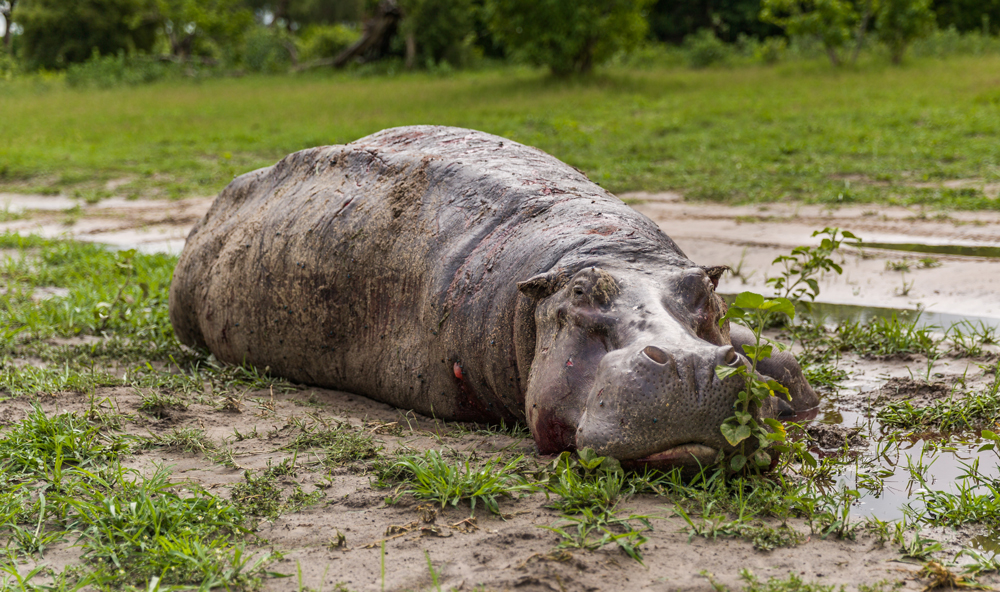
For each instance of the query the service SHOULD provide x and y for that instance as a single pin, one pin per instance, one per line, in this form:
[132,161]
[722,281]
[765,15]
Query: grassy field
[797,131]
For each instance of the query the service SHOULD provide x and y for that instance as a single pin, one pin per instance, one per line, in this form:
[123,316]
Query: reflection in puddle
[964,250]
[986,543]
[831,314]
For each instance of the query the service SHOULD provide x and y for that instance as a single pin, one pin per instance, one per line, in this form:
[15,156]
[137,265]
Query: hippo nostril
[730,356]
[656,354]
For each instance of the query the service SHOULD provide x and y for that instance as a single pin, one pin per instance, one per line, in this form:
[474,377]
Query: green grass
[430,476]
[799,130]
[61,481]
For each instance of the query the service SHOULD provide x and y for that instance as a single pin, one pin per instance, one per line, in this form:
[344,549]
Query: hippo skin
[470,278]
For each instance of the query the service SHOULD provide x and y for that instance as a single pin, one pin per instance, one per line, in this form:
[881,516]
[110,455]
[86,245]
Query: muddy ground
[513,552]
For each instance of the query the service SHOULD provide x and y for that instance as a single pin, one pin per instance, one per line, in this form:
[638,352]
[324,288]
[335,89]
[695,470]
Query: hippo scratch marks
[606,230]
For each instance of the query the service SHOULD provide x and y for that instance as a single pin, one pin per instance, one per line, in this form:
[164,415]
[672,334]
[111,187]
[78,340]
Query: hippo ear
[541,286]
[714,273]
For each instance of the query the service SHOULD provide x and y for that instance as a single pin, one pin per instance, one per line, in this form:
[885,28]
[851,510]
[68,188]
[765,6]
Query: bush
[325,41]
[567,36]
[950,42]
[900,22]
[704,49]
[442,30]
[770,50]
[110,71]
[57,33]
[266,50]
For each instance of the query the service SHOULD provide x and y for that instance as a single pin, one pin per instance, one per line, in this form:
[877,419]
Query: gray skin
[470,278]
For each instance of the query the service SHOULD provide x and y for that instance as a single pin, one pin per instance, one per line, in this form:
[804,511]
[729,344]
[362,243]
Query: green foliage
[964,411]
[704,49]
[801,268]
[337,445]
[441,29]
[831,22]
[57,33]
[567,36]
[430,476]
[594,530]
[743,429]
[325,41]
[969,16]
[39,445]
[267,50]
[886,336]
[208,28]
[114,70]
[590,482]
[900,22]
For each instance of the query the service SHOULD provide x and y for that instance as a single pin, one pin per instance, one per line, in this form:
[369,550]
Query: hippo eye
[578,290]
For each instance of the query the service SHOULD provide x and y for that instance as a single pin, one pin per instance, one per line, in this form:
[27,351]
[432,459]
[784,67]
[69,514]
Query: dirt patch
[834,437]
[917,392]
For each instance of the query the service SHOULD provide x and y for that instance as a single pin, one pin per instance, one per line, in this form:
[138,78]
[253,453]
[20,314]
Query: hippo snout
[661,405]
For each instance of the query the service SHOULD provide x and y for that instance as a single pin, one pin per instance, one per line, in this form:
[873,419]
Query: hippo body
[469,278]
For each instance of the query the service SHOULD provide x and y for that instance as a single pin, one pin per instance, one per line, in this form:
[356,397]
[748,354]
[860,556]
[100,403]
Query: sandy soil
[514,552]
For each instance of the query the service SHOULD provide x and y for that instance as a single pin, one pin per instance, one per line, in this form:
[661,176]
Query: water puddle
[949,249]
[830,314]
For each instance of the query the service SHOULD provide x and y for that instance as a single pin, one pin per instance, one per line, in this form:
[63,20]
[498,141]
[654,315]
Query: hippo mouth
[688,455]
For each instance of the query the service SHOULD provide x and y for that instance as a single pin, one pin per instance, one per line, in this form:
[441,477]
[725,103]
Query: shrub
[266,50]
[770,50]
[441,30]
[110,71]
[900,22]
[832,22]
[325,41]
[704,49]
[57,33]
[567,36]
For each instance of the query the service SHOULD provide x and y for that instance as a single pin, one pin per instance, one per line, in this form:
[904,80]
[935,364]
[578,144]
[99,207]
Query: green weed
[430,476]
[337,445]
[40,444]
[886,336]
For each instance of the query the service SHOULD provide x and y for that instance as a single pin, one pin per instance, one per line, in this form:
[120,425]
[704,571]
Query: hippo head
[624,363]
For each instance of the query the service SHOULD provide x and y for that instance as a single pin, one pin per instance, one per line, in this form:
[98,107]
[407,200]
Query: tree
[296,14]
[7,12]
[57,33]
[968,15]
[900,22]
[567,36]
[203,27]
[674,20]
[436,30]
[829,21]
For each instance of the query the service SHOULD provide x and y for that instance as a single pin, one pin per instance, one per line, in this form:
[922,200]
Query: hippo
[471,278]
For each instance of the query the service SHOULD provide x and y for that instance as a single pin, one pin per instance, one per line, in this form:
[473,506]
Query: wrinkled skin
[470,278]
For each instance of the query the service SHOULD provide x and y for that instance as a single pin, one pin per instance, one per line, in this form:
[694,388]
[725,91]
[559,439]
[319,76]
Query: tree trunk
[831,52]
[281,13]
[859,36]
[374,43]
[411,51]
[7,10]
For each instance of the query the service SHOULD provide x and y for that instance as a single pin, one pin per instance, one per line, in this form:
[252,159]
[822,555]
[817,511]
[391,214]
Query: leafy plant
[742,429]
[430,476]
[594,530]
[804,264]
